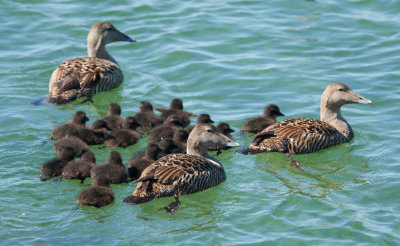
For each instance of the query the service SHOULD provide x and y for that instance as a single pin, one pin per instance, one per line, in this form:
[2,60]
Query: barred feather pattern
[83,76]
[298,136]
[179,174]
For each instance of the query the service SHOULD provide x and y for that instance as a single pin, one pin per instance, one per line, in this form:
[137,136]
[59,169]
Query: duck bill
[360,99]
[126,38]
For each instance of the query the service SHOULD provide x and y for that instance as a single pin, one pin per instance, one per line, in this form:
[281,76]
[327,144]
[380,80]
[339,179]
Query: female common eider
[258,124]
[85,76]
[182,174]
[305,135]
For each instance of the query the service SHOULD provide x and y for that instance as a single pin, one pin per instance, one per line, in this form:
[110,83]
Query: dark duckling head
[130,123]
[174,120]
[272,110]
[100,124]
[204,118]
[115,158]
[224,128]
[114,109]
[80,118]
[146,106]
[176,104]
[54,167]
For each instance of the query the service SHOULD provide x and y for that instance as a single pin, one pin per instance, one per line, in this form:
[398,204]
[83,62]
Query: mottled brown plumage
[85,76]
[258,124]
[181,174]
[137,165]
[305,135]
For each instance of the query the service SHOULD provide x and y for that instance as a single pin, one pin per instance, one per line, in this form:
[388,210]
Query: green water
[228,59]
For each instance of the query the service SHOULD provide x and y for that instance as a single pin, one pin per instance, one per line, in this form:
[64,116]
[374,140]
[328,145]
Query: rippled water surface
[228,59]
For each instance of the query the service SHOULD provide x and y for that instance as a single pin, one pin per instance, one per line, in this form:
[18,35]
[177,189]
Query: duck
[226,130]
[113,168]
[137,165]
[113,117]
[256,125]
[72,140]
[95,134]
[181,174]
[166,130]
[99,194]
[126,136]
[167,146]
[176,108]
[180,138]
[147,117]
[307,135]
[55,166]
[80,169]
[85,76]
[203,118]
[78,121]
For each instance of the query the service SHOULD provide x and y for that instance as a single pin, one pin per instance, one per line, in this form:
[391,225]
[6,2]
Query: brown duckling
[137,165]
[166,130]
[78,121]
[176,108]
[147,117]
[85,76]
[113,168]
[113,118]
[167,146]
[71,140]
[80,169]
[98,195]
[126,136]
[96,134]
[258,124]
[55,166]
[180,138]
[202,119]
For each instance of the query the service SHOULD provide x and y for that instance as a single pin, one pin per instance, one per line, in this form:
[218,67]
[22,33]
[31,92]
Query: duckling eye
[210,130]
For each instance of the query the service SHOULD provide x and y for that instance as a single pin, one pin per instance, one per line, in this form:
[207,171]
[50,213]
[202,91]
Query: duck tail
[248,151]
[137,199]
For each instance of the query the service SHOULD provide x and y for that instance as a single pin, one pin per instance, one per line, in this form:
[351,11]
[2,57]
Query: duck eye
[340,89]
[209,130]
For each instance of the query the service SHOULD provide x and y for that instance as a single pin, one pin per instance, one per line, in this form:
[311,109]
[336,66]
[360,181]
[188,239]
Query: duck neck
[201,152]
[98,49]
[333,116]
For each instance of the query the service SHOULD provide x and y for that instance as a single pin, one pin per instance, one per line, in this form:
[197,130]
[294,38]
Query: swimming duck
[137,165]
[305,135]
[182,174]
[126,136]
[80,169]
[226,130]
[54,167]
[78,121]
[72,140]
[98,195]
[176,108]
[85,76]
[147,117]
[113,168]
[95,134]
[166,130]
[113,117]
[258,124]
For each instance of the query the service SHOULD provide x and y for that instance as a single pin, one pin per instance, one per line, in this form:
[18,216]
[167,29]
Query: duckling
[167,146]
[126,136]
[137,165]
[98,195]
[78,121]
[54,167]
[166,130]
[203,118]
[113,118]
[176,108]
[85,76]
[147,117]
[80,169]
[113,168]
[306,135]
[182,174]
[258,124]
[96,134]
[226,130]
[180,139]
[71,140]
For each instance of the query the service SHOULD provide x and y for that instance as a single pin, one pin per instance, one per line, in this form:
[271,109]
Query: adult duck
[85,76]
[306,135]
[182,174]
